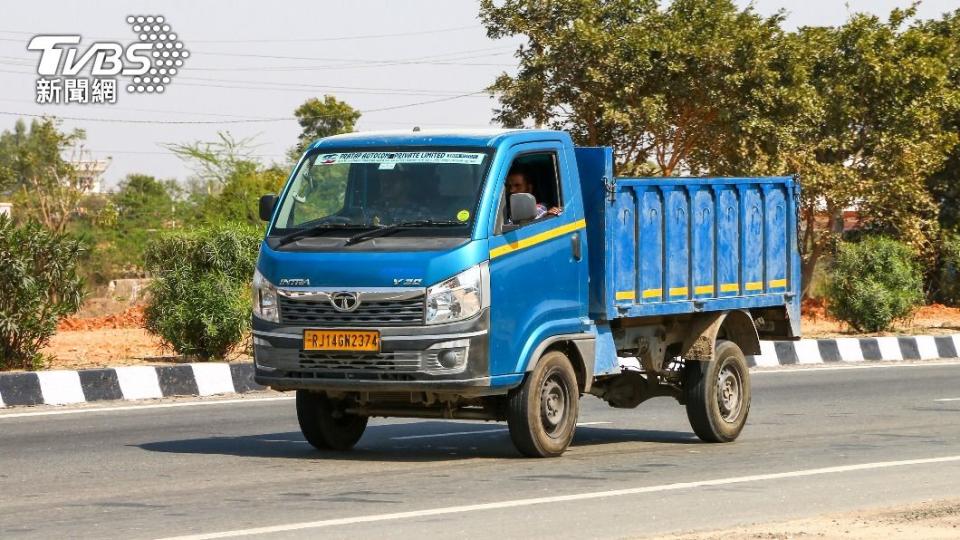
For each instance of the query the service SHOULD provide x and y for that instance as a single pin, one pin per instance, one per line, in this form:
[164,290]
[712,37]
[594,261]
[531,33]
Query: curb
[64,387]
[826,351]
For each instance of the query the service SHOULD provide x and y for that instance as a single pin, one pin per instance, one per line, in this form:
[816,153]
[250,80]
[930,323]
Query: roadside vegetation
[866,113]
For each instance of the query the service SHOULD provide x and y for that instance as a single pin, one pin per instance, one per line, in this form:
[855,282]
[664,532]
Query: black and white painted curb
[824,351]
[63,387]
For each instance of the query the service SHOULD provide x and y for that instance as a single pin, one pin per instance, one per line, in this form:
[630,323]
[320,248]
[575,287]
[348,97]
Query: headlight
[265,298]
[456,298]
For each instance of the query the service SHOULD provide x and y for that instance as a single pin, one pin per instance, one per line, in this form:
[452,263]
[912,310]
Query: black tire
[324,423]
[718,394]
[542,412]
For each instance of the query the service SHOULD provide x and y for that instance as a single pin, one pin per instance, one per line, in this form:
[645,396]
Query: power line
[220,122]
[290,87]
[296,40]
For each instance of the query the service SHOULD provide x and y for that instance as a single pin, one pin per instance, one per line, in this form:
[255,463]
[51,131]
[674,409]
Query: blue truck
[502,274]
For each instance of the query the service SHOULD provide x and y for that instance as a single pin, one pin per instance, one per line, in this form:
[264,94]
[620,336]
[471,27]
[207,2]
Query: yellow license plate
[341,340]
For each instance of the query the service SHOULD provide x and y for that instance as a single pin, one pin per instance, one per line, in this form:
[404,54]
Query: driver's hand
[555,211]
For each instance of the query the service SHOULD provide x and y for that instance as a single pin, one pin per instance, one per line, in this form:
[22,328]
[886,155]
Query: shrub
[872,283]
[200,296]
[39,285]
[947,279]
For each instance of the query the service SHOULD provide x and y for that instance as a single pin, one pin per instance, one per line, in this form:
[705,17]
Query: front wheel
[718,394]
[325,424]
[542,413]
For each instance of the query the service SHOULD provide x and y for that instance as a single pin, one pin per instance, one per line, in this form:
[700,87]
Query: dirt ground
[932,520]
[113,339]
[935,319]
[117,337]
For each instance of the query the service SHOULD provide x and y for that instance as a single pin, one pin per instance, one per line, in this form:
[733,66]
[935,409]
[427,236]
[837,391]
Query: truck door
[538,270]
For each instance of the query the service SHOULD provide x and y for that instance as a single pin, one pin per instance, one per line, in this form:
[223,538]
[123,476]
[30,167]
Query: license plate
[341,340]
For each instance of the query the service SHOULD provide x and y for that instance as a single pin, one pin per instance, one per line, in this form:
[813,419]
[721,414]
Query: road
[817,441]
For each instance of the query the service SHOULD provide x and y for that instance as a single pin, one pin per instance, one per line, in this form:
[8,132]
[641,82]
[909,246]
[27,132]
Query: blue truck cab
[502,274]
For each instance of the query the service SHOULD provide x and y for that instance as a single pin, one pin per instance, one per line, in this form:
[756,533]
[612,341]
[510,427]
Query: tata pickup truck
[502,274]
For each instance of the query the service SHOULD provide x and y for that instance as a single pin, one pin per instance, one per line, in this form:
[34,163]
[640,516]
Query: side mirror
[523,207]
[267,204]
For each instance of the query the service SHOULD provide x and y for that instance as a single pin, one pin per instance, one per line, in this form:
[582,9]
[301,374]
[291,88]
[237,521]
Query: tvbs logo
[148,64]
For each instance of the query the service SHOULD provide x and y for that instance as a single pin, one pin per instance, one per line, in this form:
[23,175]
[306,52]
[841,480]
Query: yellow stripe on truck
[703,289]
[754,285]
[777,283]
[678,291]
[626,295]
[729,287]
[653,293]
[524,243]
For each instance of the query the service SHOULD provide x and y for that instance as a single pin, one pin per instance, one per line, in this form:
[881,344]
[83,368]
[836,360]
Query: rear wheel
[325,424]
[542,413]
[718,394]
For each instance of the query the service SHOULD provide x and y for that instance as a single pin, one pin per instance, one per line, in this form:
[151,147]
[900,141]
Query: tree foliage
[322,118]
[39,285]
[874,283]
[213,162]
[677,86]
[46,187]
[200,296]
[863,112]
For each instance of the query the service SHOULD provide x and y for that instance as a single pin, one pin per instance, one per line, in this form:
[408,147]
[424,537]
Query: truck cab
[451,275]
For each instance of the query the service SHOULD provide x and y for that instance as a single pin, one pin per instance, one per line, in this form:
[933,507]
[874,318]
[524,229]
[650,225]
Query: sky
[402,63]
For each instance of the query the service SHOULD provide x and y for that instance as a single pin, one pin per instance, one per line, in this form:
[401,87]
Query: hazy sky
[411,59]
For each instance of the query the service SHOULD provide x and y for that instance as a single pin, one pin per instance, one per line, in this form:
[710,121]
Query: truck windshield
[374,189]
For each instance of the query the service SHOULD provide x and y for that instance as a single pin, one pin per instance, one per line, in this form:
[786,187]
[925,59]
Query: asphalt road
[816,441]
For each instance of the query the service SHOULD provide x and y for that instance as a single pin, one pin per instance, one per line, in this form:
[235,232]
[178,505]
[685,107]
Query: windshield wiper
[311,231]
[390,229]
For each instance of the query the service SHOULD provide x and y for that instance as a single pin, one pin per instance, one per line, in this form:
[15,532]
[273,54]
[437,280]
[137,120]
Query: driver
[398,202]
[519,182]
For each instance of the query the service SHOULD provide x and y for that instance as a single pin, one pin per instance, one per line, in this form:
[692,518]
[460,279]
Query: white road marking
[138,382]
[927,347]
[948,399]
[213,378]
[143,407]
[889,348]
[514,503]
[474,432]
[60,387]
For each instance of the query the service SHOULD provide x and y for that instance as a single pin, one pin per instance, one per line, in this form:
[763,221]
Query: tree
[39,285]
[46,187]
[679,86]
[320,119]
[238,201]
[870,131]
[213,162]
[944,185]
[142,201]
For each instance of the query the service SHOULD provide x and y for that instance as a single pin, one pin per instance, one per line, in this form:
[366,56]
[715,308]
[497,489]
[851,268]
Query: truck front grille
[358,363]
[320,312]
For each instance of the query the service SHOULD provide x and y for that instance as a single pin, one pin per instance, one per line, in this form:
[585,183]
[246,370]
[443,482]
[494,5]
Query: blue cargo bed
[684,245]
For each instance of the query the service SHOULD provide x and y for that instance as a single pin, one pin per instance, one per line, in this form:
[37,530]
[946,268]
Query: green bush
[39,285]
[947,279]
[200,296]
[872,283]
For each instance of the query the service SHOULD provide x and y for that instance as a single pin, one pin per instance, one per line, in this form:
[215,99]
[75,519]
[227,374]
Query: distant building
[89,171]
[5,208]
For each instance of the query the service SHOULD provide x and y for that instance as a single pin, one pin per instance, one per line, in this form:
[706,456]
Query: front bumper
[407,361]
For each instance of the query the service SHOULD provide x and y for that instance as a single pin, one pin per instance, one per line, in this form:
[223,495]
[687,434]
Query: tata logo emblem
[344,301]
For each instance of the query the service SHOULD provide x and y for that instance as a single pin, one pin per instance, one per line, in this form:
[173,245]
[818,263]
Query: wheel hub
[553,403]
[729,392]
